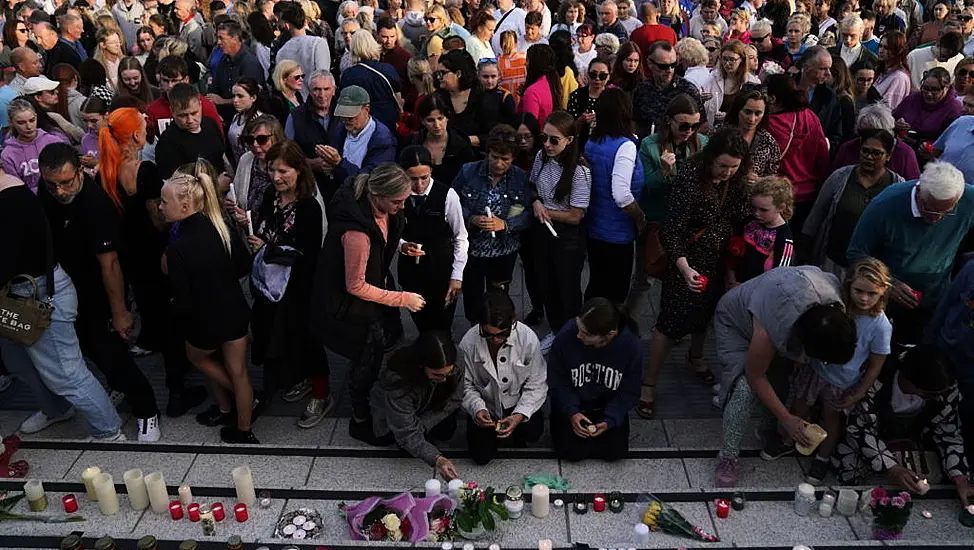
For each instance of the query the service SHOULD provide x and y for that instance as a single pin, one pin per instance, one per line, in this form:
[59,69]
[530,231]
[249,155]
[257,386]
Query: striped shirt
[545,179]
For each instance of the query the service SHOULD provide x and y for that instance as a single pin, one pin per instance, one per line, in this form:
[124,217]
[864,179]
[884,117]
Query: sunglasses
[431,20]
[965,72]
[965,17]
[553,140]
[595,75]
[686,126]
[297,76]
[261,139]
[502,335]
[666,66]
[759,38]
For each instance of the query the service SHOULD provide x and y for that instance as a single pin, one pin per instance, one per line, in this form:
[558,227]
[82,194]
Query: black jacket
[60,53]
[830,109]
[458,152]
[309,132]
[338,319]
[864,54]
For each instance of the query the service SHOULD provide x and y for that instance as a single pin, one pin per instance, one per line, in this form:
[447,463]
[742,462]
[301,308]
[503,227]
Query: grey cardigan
[818,224]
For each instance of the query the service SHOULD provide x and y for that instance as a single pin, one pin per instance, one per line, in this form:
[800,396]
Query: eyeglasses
[62,184]
[553,140]
[872,153]
[664,66]
[595,75]
[297,76]
[931,89]
[260,139]
[728,59]
[502,335]
[712,48]
[686,126]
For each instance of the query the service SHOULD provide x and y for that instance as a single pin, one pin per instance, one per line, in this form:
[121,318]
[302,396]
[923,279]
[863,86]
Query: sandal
[646,409]
[700,370]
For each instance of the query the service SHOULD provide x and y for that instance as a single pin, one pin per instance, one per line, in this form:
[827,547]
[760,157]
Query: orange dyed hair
[122,125]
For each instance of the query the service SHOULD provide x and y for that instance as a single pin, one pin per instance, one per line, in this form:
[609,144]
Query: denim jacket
[509,200]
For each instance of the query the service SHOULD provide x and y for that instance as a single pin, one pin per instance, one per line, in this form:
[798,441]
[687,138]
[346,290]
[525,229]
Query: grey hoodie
[402,409]
[413,27]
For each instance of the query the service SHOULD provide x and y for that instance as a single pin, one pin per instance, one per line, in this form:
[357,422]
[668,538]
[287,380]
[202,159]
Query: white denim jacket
[517,380]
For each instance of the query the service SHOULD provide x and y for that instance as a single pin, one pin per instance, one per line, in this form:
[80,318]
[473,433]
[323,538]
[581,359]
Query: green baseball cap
[350,101]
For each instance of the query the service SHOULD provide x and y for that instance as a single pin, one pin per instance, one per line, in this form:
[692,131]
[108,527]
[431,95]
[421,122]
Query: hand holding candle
[250,224]
[490,216]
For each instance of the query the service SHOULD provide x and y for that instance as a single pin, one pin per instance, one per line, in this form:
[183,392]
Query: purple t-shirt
[903,161]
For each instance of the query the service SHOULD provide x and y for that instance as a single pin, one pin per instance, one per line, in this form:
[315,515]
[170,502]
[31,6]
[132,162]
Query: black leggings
[482,274]
[559,264]
[610,270]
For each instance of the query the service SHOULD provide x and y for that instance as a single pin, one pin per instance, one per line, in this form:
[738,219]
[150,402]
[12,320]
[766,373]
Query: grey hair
[607,39]
[18,105]
[384,181]
[347,4]
[941,181]
[761,27]
[877,116]
[320,74]
[363,47]
[691,52]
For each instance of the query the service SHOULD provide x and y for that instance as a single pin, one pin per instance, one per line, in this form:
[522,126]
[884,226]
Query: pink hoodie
[804,151]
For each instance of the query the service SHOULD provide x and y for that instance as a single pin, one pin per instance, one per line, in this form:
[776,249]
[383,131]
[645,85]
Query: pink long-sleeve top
[356,245]
[537,100]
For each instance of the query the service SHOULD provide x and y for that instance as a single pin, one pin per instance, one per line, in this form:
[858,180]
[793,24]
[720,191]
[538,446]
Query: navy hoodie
[583,377]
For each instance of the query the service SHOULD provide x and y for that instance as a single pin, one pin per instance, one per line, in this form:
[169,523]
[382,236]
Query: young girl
[841,387]
[767,240]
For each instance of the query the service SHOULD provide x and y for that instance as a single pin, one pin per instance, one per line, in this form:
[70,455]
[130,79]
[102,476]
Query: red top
[647,34]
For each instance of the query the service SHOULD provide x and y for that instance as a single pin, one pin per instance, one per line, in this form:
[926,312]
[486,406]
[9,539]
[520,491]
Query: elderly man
[72,31]
[311,126]
[653,95]
[57,51]
[916,229]
[816,64]
[850,48]
[237,61]
[190,26]
[609,20]
[311,52]
[956,144]
[363,141]
[27,64]
[709,14]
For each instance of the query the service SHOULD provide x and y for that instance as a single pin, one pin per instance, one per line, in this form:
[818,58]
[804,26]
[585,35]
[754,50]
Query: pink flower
[905,496]
[898,502]
[878,493]
[483,496]
[884,501]
[471,485]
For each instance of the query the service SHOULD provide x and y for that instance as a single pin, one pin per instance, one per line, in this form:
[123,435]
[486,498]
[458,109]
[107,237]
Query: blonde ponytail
[198,189]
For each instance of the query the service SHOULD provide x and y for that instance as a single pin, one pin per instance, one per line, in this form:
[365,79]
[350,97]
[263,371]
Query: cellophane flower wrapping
[370,519]
[431,519]
[659,516]
[891,512]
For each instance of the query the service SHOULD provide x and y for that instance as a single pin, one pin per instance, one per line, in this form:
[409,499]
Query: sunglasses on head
[965,17]
[261,139]
[686,126]
[595,75]
[553,140]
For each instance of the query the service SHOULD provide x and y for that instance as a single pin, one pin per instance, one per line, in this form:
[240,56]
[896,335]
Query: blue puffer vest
[606,221]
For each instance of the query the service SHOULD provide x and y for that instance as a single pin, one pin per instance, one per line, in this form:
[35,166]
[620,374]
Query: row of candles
[147,491]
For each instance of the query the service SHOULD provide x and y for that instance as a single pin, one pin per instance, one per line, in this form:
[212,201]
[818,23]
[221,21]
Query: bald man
[190,27]
[27,64]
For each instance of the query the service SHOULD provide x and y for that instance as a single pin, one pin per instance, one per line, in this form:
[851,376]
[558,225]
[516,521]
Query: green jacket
[656,186]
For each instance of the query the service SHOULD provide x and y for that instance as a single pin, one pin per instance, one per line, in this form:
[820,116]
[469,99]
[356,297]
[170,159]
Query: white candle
[453,487]
[420,249]
[185,495]
[36,499]
[433,488]
[923,486]
[539,501]
[232,194]
[107,498]
[135,487]
[490,216]
[155,485]
[250,224]
[87,476]
[243,480]
[847,503]
[640,535]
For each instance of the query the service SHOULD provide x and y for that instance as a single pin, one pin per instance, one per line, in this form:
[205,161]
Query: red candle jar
[70,504]
[702,279]
[176,510]
[240,512]
[194,512]
[723,508]
[218,513]
[598,503]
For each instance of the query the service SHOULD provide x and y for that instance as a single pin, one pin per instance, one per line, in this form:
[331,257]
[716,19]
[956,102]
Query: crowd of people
[272,182]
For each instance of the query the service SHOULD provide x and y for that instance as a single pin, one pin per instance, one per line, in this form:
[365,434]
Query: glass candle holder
[616,502]
[264,499]
[581,505]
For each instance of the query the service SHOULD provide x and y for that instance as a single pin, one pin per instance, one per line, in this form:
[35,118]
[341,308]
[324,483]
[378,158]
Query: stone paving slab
[776,522]
[269,472]
[375,474]
[754,472]
[636,475]
[501,473]
[173,466]
[259,525]
[615,530]
[95,525]
[702,433]
[48,464]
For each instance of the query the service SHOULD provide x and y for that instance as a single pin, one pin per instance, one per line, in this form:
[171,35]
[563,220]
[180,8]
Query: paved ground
[672,457]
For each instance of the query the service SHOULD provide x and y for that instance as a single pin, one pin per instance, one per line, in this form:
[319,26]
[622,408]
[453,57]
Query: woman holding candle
[204,264]
[421,387]
[594,371]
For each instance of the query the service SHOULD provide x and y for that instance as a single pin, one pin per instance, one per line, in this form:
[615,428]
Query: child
[840,387]
[767,238]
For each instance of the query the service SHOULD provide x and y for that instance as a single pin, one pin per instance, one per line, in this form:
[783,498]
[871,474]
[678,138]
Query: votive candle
[70,504]
[194,512]
[453,488]
[433,488]
[723,508]
[36,499]
[243,480]
[923,486]
[176,510]
[539,501]
[87,476]
[185,495]
[155,485]
[135,487]
[107,497]
[218,513]
[240,512]
[598,503]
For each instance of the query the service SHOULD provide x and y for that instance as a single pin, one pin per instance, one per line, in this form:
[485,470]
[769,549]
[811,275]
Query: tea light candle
[135,488]
[923,486]
[264,499]
[176,510]
[598,503]
[155,485]
[723,508]
[433,488]
[240,512]
[105,490]
[218,512]
[640,535]
[243,480]
[36,499]
[185,495]
[926,514]
[70,504]
[545,544]
[738,501]
[194,512]
[581,506]
[87,476]
[616,503]
[539,501]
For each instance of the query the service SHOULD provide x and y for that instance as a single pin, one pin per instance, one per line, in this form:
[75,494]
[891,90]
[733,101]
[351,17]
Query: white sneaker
[546,343]
[149,429]
[39,421]
[117,397]
[115,437]
[6,381]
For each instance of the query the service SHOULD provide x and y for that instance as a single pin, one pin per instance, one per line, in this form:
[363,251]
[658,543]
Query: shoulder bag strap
[389,84]
[791,137]
[503,17]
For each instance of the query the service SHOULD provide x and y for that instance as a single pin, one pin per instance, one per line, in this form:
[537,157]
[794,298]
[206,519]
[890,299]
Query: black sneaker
[817,471]
[775,448]
[230,434]
[534,318]
[215,417]
[180,402]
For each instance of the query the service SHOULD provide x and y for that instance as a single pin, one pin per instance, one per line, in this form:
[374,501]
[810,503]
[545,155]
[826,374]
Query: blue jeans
[56,356]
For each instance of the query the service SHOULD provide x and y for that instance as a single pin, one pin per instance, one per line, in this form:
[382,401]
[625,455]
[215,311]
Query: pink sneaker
[726,472]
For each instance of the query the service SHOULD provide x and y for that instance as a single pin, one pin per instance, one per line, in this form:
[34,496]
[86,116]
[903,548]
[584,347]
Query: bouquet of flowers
[431,519]
[375,519]
[890,513]
[661,517]
[477,509]
[769,68]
